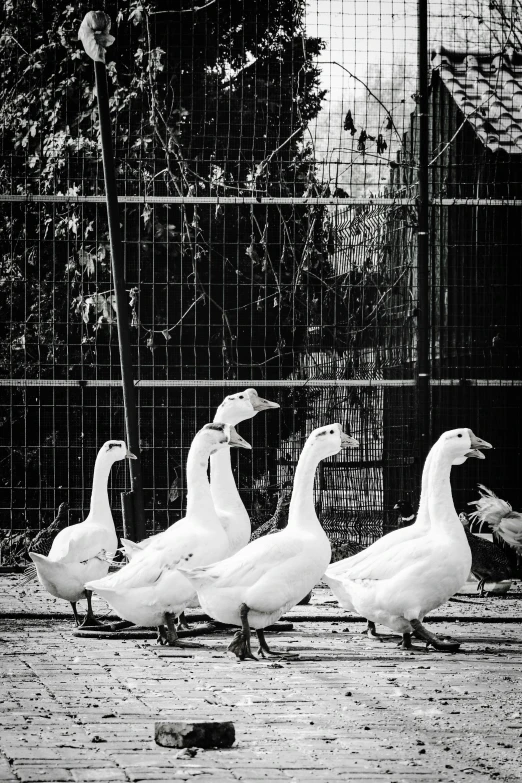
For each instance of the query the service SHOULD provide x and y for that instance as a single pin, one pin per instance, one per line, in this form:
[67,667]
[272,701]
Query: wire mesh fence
[58,430]
[267,166]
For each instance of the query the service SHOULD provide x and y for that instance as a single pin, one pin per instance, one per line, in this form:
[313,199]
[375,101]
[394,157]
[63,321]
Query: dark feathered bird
[14,547]
[43,541]
[348,549]
[489,563]
[279,518]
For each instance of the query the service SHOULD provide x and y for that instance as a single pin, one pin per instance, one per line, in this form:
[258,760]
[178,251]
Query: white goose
[82,552]
[254,587]
[399,586]
[150,590]
[227,501]
[419,528]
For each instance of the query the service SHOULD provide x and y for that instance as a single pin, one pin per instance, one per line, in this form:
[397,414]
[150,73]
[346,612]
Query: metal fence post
[95,36]
[423,259]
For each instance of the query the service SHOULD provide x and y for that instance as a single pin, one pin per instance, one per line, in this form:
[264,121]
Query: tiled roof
[487,88]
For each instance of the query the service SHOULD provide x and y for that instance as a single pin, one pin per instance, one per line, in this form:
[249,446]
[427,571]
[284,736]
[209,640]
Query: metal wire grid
[233,99]
[56,432]
[292,296]
[309,291]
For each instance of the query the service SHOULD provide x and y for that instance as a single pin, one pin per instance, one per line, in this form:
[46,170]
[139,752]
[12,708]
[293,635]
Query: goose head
[329,440]
[241,406]
[114,450]
[462,444]
[218,435]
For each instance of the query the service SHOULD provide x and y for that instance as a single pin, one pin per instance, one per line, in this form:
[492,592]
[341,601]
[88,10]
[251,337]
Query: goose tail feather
[29,575]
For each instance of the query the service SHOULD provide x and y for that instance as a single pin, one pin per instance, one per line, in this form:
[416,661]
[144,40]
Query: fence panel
[267,165]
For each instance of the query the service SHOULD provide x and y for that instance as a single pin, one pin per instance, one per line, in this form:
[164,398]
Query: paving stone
[293,721]
[151,773]
[42,775]
[107,775]
[6,772]
[144,759]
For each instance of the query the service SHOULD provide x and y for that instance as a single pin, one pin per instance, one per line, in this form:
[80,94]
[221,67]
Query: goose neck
[302,510]
[423,518]
[440,498]
[199,498]
[99,496]
[222,483]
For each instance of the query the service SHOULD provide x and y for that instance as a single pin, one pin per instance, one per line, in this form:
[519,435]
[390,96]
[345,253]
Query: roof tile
[487,88]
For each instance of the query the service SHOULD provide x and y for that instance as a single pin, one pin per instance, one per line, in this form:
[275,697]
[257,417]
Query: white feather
[406,579]
[151,585]
[272,574]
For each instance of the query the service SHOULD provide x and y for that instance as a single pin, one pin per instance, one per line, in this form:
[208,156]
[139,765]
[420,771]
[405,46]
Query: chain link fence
[267,165]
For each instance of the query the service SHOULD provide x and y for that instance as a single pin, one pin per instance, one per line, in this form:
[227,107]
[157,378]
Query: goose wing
[80,542]
[249,564]
[378,547]
[147,565]
[384,565]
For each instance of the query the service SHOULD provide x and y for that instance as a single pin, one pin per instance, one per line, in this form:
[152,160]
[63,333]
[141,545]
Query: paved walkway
[348,709]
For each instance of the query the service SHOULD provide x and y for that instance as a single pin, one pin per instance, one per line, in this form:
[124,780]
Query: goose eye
[331,432]
[460,436]
[241,396]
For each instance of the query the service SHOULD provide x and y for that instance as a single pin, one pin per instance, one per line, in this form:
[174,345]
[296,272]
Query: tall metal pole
[423,259]
[95,36]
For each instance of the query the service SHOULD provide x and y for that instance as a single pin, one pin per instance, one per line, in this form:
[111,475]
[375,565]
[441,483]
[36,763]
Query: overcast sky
[376,40]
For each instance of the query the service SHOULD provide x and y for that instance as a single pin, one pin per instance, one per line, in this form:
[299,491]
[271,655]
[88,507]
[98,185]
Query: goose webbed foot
[161,637]
[182,623]
[120,625]
[370,632]
[240,644]
[405,644]
[169,635]
[431,640]
[90,621]
[480,588]
[264,650]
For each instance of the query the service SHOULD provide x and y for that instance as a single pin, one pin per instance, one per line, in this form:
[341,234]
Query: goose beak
[478,443]
[237,441]
[259,404]
[475,453]
[347,442]
[130,455]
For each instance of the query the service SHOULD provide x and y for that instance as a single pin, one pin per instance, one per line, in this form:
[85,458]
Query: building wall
[476,295]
